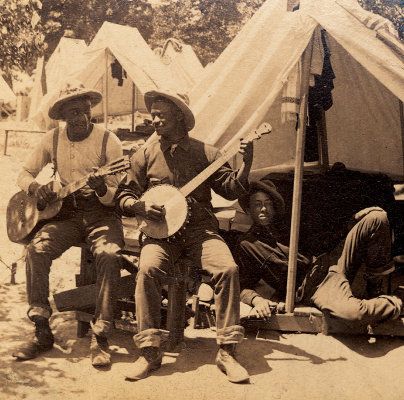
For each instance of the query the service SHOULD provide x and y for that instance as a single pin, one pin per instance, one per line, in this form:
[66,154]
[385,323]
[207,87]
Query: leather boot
[227,363]
[42,341]
[149,360]
[99,351]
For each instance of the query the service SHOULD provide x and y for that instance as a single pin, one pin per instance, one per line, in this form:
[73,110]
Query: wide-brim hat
[181,100]
[70,92]
[268,187]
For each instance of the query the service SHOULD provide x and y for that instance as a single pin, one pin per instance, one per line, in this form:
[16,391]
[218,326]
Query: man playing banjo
[174,158]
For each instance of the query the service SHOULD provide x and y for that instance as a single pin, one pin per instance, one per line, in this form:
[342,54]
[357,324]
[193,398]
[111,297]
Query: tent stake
[298,179]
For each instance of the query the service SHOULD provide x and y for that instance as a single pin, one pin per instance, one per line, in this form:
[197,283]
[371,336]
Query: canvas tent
[244,87]
[115,47]
[7,96]
[119,63]
[364,127]
[67,58]
[182,61]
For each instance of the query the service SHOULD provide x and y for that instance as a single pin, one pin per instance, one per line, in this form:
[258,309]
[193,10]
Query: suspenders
[103,158]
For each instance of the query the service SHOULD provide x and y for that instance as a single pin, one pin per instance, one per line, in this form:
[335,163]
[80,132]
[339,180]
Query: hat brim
[55,111]
[189,118]
[260,186]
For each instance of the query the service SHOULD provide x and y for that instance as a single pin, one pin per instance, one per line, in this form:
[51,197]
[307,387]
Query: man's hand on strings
[97,183]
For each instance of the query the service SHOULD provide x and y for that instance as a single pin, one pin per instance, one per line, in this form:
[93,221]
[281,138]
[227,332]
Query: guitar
[24,213]
[174,199]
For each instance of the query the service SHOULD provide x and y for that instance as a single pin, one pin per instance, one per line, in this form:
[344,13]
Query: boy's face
[261,208]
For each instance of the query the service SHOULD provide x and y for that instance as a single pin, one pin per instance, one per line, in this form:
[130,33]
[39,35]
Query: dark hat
[71,91]
[268,187]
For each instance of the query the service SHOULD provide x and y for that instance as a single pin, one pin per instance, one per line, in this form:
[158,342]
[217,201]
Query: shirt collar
[183,143]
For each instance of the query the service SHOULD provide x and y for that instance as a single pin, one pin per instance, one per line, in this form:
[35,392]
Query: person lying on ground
[324,281]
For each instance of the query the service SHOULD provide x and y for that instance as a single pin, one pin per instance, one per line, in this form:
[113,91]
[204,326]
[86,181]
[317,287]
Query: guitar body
[176,212]
[23,214]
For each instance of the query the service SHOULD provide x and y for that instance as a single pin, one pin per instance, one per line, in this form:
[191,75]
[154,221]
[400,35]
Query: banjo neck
[188,188]
[232,150]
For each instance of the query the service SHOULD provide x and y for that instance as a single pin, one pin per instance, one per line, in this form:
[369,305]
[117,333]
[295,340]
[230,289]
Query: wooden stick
[298,179]
[5,142]
[400,104]
[133,107]
[105,90]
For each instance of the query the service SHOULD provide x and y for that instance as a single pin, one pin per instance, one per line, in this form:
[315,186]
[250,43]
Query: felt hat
[181,100]
[268,187]
[71,91]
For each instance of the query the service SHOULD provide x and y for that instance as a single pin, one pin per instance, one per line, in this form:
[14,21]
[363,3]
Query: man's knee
[108,252]
[377,217]
[354,311]
[228,270]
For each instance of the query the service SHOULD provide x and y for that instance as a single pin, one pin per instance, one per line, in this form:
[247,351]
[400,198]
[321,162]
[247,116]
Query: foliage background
[31,28]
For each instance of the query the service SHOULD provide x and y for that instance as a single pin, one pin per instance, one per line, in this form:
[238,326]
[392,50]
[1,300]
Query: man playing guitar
[87,215]
[173,158]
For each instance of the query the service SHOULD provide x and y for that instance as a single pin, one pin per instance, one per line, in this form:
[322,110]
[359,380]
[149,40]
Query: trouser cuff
[230,335]
[35,311]
[148,338]
[101,327]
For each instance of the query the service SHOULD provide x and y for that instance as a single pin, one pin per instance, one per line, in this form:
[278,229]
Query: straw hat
[181,100]
[71,91]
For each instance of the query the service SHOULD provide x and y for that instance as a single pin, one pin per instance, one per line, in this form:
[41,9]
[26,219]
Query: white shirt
[74,160]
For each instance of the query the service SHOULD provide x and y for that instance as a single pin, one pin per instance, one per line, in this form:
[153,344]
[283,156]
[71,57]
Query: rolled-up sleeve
[225,183]
[40,157]
[249,272]
[135,182]
[113,151]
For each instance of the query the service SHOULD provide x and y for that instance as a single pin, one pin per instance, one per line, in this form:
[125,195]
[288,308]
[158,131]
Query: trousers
[101,229]
[202,244]
[368,242]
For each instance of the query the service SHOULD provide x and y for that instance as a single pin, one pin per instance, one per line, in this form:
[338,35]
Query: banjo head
[176,211]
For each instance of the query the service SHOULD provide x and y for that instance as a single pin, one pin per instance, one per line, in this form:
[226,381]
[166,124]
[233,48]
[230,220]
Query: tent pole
[400,104]
[133,107]
[105,90]
[298,179]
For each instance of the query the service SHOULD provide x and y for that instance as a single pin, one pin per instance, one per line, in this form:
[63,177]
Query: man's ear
[180,116]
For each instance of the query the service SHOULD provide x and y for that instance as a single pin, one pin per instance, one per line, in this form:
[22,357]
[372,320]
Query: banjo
[174,200]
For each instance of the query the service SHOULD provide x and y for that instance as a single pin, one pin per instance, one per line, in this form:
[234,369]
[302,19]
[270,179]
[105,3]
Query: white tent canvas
[243,88]
[67,58]
[141,65]
[7,96]
[182,61]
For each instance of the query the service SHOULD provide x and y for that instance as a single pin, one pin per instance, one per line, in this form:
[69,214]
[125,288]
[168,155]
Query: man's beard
[79,127]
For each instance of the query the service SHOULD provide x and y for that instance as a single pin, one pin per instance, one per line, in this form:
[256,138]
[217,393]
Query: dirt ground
[282,366]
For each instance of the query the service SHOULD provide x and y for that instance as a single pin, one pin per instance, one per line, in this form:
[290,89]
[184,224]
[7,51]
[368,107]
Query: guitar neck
[210,170]
[72,187]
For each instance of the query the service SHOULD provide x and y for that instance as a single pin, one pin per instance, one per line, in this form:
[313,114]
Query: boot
[42,341]
[149,360]
[99,351]
[227,363]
